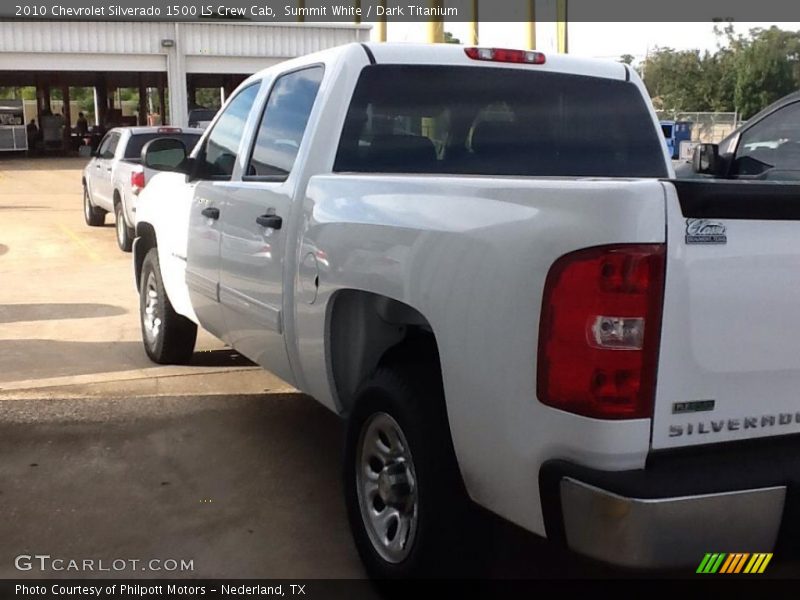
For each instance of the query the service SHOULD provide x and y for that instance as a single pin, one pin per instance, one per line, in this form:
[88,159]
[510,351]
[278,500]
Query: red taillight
[599,331]
[137,181]
[505,55]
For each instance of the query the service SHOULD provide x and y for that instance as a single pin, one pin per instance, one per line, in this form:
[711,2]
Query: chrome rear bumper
[668,532]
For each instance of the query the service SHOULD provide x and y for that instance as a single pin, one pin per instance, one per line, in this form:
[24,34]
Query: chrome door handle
[212,212]
[272,221]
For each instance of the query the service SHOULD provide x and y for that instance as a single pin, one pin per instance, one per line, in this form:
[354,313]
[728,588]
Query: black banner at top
[372,11]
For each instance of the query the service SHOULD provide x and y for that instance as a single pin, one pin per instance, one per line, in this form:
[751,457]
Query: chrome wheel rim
[387,488]
[120,228]
[87,207]
[151,318]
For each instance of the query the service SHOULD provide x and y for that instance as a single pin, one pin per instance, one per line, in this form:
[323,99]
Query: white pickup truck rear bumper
[731,498]
[668,532]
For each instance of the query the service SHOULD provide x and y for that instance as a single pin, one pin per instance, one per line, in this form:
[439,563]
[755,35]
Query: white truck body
[468,256]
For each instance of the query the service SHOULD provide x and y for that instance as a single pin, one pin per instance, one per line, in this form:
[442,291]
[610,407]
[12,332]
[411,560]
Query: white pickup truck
[481,260]
[114,176]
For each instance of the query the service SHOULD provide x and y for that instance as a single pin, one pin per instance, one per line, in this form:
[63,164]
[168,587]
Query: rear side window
[491,121]
[133,150]
[284,123]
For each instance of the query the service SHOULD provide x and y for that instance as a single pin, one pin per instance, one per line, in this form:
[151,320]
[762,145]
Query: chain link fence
[707,127]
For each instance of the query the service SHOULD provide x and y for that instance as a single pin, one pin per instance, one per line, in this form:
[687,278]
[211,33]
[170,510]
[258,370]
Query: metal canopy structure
[175,56]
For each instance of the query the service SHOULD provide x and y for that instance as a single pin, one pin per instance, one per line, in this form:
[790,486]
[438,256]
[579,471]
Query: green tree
[745,73]
[18,93]
[449,38]
[677,79]
[766,68]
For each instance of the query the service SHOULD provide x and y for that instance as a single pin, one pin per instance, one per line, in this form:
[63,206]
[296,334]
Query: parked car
[766,148]
[479,258]
[201,117]
[115,175]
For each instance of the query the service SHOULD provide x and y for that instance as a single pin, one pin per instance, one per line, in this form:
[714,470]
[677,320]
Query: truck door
[101,175]
[214,167]
[256,223]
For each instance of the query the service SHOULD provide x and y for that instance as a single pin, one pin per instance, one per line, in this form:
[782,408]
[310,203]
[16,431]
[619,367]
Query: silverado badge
[703,231]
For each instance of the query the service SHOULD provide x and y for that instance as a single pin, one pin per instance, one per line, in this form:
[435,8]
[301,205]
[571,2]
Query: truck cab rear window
[491,121]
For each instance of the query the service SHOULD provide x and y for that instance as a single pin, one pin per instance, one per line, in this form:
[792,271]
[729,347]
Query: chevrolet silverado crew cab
[114,176]
[480,259]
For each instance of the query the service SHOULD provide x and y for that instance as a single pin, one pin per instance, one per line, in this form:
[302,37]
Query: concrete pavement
[106,455]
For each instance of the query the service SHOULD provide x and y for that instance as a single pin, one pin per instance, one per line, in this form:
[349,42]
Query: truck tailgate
[729,366]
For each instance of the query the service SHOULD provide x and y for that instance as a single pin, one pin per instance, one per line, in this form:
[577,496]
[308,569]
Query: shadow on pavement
[241,485]
[11,313]
[226,357]
[38,358]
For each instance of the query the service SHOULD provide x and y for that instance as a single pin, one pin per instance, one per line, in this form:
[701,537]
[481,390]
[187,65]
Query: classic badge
[703,231]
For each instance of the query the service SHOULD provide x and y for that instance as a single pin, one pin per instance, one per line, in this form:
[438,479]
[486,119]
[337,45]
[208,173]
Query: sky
[598,40]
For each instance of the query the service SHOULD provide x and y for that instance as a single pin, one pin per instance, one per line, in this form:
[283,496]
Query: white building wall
[199,47]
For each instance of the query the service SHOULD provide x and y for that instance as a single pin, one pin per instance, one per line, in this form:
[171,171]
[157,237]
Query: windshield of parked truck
[490,121]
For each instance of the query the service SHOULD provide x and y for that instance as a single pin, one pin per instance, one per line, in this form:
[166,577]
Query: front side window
[771,147]
[497,121]
[284,123]
[218,157]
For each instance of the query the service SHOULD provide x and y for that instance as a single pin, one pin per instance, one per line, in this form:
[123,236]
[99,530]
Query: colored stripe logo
[735,562]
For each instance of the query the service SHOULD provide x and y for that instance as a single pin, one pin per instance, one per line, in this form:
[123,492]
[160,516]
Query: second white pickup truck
[114,176]
[479,259]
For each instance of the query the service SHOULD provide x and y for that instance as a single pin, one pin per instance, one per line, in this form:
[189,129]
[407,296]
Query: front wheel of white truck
[406,503]
[168,337]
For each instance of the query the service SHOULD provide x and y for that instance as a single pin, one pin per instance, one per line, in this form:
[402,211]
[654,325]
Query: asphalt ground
[105,456]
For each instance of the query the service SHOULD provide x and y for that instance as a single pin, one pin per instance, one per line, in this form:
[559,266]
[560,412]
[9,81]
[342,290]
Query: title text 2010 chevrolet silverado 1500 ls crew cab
[476,256]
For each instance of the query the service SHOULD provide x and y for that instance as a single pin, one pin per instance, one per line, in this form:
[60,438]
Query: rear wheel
[93,216]
[406,502]
[168,337]
[124,233]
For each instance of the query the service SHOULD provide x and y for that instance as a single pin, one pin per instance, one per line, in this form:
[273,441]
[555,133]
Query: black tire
[124,233]
[413,397]
[94,217]
[172,339]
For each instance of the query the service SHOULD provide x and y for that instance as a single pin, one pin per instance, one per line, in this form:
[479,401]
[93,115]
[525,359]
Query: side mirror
[165,154]
[705,159]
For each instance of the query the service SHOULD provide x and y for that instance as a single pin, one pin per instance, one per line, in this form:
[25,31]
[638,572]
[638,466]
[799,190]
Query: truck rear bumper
[668,532]
[741,498]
